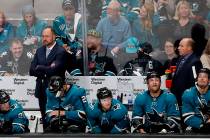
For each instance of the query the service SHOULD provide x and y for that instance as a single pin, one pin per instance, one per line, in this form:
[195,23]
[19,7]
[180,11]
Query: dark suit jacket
[184,78]
[43,68]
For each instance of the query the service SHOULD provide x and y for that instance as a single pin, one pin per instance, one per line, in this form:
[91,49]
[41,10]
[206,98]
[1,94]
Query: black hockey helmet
[55,84]
[4,97]
[153,74]
[103,93]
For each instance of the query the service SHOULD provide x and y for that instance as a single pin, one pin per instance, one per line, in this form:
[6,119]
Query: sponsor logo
[123,79]
[19,81]
[72,80]
[97,81]
[9,91]
[30,92]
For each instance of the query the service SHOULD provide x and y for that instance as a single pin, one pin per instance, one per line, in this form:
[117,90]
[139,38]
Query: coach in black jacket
[49,60]
[183,78]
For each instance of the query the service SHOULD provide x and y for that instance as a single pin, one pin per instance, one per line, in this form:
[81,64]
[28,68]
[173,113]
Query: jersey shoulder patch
[21,115]
[116,107]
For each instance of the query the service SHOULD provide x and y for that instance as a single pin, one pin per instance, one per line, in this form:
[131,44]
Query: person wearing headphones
[65,109]
[12,118]
[196,104]
[108,115]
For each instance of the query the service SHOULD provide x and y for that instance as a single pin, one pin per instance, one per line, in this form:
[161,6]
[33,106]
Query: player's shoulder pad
[141,95]
[59,18]
[119,110]
[118,106]
[167,93]
[14,105]
[79,90]
[188,93]
[169,96]
[94,110]
[49,94]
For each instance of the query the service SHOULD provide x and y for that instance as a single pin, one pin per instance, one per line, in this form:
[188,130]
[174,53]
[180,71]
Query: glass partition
[104,37]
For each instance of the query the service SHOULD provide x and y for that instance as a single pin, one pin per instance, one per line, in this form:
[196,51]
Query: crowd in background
[124,37]
[123,27]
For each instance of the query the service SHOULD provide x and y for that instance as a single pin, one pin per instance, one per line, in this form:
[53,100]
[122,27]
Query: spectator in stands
[15,61]
[200,10]
[171,52]
[68,27]
[198,33]
[166,12]
[30,28]
[129,8]
[99,64]
[144,63]
[49,60]
[196,104]
[65,111]
[127,51]
[167,7]
[70,21]
[143,26]
[108,115]
[12,117]
[205,57]
[155,110]
[115,29]
[94,9]
[183,77]
[6,33]
[183,21]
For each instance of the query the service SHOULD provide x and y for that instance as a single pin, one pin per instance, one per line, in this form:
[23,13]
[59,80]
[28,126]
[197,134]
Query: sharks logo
[100,67]
[94,67]
[62,27]
[154,122]
[68,107]
[154,116]
[116,107]
[129,69]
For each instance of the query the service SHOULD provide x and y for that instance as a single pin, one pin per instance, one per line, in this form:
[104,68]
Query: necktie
[180,65]
[47,52]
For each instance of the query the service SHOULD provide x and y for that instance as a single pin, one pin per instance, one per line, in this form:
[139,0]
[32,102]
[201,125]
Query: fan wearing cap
[99,64]
[30,28]
[68,26]
[65,109]
[155,110]
[108,115]
[68,31]
[12,117]
[196,104]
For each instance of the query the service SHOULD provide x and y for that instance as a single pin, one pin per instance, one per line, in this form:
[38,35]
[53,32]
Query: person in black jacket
[49,60]
[183,77]
[143,64]
[99,64]
[16,61]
